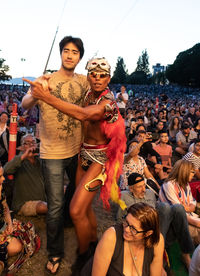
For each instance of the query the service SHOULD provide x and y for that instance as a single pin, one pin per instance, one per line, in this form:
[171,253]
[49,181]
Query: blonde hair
[181,172]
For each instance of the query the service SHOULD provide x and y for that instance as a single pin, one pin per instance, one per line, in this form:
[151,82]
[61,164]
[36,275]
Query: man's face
[160,126]
[123,89]
[138,189]
[133,149]
[164,138]
[160,115]
[197,149]
[140,121]
[28,142]
[186,131]
[98,80]
[138,114]
[4,118]
[192,110]
[70,56]
[140,137]
[172,112]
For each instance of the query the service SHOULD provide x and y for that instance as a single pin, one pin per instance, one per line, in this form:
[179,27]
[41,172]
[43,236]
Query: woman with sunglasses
[176,190]
[134,247]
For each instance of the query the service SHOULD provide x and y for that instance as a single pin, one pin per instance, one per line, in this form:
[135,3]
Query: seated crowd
[162,158]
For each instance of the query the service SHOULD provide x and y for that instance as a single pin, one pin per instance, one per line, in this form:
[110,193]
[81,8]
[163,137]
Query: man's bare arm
[92,112]
[28,101]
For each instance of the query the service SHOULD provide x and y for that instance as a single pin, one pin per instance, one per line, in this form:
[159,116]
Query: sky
[108,28]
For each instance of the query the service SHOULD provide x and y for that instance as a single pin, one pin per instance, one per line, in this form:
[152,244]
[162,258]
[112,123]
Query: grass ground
[177,265]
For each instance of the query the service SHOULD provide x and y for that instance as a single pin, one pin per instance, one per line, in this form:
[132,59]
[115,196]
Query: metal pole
[45,68]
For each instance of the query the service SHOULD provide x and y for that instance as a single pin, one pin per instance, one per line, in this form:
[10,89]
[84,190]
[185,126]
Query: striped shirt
[195,160]
[172,193]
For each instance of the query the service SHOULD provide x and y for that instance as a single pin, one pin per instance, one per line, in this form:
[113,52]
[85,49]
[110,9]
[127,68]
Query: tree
[120,73]
[159,78]
[141,73]
[143,63]
[3,69]
[138,77]
[186,68]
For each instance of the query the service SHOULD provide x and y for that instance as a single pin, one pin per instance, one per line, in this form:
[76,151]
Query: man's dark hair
[139,125]
[141,131]
[160,122]
[75,40]
[140,118]
[4,112]
[137,111]
[185,125]
[164,130]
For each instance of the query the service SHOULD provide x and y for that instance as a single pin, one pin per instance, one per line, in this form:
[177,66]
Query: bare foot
[53,265]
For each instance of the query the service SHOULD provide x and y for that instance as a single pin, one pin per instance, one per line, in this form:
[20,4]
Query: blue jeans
[53,171]
[174,226]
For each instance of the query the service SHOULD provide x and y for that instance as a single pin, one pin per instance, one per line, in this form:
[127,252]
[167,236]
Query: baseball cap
[132,179]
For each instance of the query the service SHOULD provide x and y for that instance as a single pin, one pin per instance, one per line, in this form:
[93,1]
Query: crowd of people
[138,144]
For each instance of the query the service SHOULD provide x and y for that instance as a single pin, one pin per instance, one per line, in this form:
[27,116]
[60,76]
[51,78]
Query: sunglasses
[131,227]
[100,75]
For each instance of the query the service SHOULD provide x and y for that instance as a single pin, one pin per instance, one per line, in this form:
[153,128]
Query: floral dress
[131,167]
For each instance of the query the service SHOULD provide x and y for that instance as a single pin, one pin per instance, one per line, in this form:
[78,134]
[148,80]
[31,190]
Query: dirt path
[35,265]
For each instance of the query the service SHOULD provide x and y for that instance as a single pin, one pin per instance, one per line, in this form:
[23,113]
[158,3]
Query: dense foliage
[186,68]
[3,70]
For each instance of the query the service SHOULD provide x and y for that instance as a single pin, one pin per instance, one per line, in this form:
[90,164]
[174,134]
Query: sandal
[53,262]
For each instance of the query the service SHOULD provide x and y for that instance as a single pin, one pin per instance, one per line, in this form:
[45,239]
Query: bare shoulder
[159,247]
[109,236]
[108,240]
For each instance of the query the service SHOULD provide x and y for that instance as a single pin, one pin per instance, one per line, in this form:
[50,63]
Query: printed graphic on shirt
[72,93]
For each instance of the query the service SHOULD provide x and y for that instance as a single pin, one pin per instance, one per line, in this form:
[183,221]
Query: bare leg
[41,208]
[93,222]
[81,210]
[90,213]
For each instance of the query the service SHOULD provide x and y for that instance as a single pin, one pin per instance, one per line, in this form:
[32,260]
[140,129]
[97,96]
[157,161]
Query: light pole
[23,60]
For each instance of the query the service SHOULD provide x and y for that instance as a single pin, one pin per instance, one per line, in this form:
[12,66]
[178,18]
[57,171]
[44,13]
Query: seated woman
[15,236]
[165,152]
[176,190]
[134,163]
[134,247]
[173,128]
